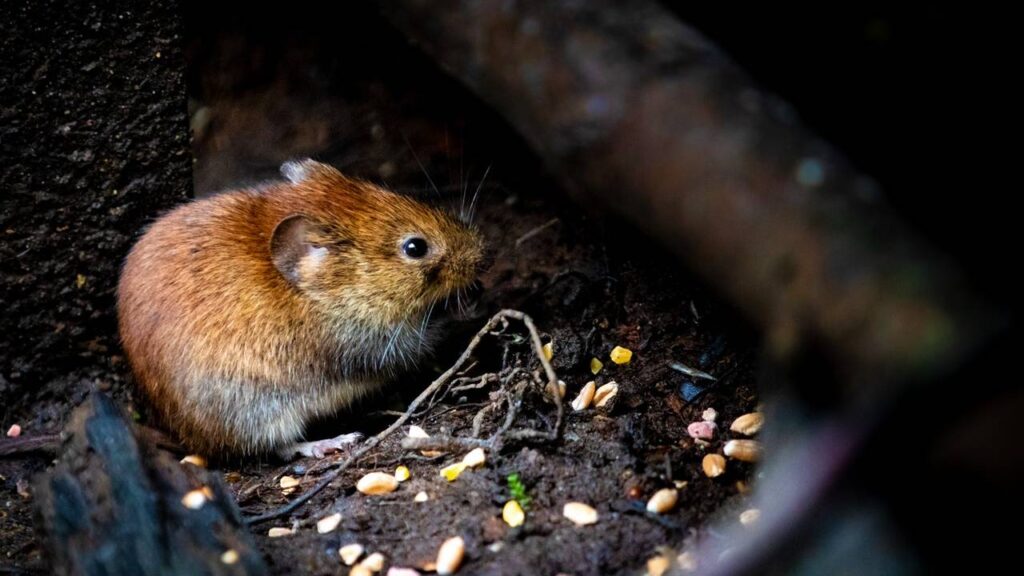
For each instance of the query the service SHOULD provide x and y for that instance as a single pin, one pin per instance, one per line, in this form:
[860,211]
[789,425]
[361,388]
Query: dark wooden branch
[113,506]
[639,112]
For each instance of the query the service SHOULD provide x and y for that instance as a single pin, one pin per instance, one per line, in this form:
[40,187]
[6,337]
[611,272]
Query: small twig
[478,419]
[24,444]
[445,443]
[502,318]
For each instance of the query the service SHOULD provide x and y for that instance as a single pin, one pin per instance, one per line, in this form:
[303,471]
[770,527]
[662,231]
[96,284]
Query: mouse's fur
[247,314]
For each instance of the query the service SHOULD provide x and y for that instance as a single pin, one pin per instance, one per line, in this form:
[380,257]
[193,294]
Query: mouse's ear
[297,171]
[292,247]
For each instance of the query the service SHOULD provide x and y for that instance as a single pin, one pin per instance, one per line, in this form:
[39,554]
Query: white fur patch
[295,171]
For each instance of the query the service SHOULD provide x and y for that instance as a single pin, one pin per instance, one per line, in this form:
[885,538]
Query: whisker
[476,195]
[423,325]
[462,203]
[391,342]
[422,167]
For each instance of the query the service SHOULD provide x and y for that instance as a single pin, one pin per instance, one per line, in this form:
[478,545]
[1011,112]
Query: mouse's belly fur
[231,416]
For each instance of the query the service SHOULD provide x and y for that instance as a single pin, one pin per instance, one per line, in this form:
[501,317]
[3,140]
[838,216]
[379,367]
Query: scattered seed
[749,517]
[745,450]
[579,513]
[451,472]
[328,523]
[449,557]
[289,485]
[14,431]
[377,483]
[194,499]
[549,350]
[709,415]
[402,473]
[475,458]
[394,571]
[513,514]
[595,366]
[350,553]
[375,562]
[663,501]
[360,570]
[195,460]
[703,430]
[585,397]
[714,465]
[417,432]
[748,424]
[680,484]
[605,393]
[621,355]
[561,389]
[229,556]
[658,565]
[421,497]
[278,532]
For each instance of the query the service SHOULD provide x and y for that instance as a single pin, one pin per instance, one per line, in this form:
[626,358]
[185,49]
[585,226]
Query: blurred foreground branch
[640,113]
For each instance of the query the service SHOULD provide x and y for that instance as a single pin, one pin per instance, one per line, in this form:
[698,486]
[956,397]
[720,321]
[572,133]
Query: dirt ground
[259,95]
[589,283]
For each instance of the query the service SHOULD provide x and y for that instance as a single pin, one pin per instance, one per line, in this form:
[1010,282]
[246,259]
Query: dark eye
[415,248]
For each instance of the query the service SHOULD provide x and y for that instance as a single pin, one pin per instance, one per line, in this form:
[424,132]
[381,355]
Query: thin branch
[501,318]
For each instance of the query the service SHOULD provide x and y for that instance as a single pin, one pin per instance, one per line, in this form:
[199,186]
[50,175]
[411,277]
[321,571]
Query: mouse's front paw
[320,448]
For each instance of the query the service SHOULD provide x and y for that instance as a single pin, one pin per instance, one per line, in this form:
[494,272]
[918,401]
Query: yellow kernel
[450,473]
[621,355]
[513,514]
[595,366]
[402,473]
[549,350]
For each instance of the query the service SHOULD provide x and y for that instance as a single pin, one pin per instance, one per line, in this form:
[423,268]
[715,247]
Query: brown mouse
[247,314]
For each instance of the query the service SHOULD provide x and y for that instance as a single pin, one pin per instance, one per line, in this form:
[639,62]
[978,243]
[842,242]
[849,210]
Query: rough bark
[114,506]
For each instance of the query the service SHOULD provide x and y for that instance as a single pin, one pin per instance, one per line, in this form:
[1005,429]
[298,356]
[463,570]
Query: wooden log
[113,505]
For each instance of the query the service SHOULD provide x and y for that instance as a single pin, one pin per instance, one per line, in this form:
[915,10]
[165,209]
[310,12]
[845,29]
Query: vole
[247,314]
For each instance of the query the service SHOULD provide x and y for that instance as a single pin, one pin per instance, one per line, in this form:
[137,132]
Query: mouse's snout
[467,260]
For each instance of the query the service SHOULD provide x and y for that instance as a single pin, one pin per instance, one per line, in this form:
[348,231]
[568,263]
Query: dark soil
[94,142]
[352,93]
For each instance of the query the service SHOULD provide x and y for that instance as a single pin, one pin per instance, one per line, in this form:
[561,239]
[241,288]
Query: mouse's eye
[415,248]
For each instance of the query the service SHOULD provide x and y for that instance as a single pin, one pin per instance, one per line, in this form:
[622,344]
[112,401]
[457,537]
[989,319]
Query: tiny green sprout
[518,490]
